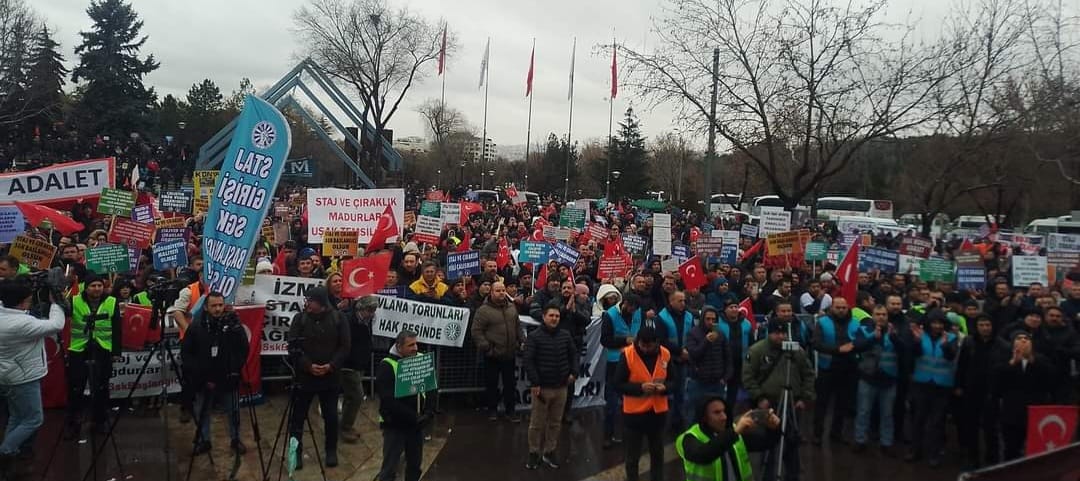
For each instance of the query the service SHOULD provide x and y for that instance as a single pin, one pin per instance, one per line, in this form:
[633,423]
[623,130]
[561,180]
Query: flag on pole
[529,78]
[614,72]
[442,52]
[484,62]
[573,55]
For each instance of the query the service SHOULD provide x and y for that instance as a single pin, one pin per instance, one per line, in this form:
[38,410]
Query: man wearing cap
[95,344]
[765,375]
[618,326]
[320,343]
[1025,380]
[932,384]
[352,374]
[642,378]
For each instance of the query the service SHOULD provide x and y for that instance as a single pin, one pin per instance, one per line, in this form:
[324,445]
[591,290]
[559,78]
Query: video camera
[48,287]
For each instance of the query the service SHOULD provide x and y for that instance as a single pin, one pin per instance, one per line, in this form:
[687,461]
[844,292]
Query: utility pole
[711,153]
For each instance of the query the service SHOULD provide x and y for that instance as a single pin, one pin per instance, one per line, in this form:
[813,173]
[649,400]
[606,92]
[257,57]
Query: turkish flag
[746,307]
[695,234]
[251,317]
[365,275]
[136,323]
[503,258]
[967,246]
[1050,428]
[847,273]
[469,208]
[693,276]
[386,229]
[466,242]
[757,247]
[541,278]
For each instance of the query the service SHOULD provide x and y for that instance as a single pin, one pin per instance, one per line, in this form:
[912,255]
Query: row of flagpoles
[485,83]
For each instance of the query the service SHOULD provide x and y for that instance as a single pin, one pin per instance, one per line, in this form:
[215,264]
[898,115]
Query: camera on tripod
[48,287]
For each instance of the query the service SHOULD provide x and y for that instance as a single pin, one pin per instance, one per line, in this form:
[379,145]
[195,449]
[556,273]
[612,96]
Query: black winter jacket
[550,357]
[710,362]
[198,348]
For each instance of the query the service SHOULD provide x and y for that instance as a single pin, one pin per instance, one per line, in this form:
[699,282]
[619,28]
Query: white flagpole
[485,76]
[610,119]
[570,126]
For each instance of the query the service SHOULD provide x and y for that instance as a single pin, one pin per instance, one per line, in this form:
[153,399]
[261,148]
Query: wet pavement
[465,446]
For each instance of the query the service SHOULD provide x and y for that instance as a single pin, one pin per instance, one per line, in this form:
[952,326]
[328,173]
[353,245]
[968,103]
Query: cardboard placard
[774,220]
[170,255]
[459,264]
[450,213]
[170,222]
[204,181]
[143,214]
[415,375]
[180,202]
[428,229]
[33,252]
[128,232]
[108,259]
[938,270]
[533,252]
[339,243]
[1029,269]
[573,218]
[920,247]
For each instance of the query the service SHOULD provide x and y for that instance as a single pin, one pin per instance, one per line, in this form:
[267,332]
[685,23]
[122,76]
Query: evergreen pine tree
[628,156]
[45,81]
[113,99]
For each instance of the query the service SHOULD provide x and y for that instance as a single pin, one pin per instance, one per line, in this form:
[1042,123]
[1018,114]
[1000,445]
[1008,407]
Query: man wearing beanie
[642,378]
[95,343]
[764,376]
[319,344]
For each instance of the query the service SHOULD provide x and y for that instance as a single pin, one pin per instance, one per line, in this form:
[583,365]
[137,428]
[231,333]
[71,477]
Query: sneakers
[238,446]
[533,462]
[331,459]
[549,461]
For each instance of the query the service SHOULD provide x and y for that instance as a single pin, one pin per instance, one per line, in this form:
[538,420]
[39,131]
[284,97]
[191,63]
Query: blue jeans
[612,401]
[228,401]
[885,397]
[696,392]
[25,414]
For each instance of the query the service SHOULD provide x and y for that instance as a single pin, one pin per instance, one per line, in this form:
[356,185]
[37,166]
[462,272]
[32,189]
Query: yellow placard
[170,222]
[203,182]
[340,243]
[202,205]
[35,253]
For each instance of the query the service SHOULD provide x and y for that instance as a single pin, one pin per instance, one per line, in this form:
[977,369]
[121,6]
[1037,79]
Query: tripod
[284,426]
[161,351]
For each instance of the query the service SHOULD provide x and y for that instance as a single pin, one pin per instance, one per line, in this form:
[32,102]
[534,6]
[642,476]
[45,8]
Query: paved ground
[465,446]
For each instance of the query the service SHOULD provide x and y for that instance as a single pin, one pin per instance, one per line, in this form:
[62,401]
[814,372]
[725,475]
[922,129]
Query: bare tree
[18,26]
[803,85]
[674,166]
[379,51]
[441,120]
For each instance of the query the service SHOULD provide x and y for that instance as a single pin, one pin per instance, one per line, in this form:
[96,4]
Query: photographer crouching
[214,352]
[22,366]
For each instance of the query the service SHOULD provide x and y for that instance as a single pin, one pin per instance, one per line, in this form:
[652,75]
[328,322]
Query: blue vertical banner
[243,193]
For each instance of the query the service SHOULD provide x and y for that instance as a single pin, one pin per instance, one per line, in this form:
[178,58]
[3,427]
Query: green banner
[430,208]
[937,270]
[415,375]
[108,259]
[817,251]
[116,202]
[572,218]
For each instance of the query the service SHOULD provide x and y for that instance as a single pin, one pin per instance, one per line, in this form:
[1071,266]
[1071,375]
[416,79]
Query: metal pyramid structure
[281,94]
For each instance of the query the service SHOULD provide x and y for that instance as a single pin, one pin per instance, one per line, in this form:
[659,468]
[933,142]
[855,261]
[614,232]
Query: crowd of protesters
[896,362]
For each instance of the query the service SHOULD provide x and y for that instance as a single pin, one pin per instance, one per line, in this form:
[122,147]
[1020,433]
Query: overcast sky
[226,40]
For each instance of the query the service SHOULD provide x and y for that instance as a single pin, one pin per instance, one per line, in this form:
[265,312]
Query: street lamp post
[463,172]
[438,178]
[614,175]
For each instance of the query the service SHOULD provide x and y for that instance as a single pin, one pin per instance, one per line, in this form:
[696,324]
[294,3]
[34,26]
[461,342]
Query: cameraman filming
[95,344]
[765,375]
[213,352]
[22,366]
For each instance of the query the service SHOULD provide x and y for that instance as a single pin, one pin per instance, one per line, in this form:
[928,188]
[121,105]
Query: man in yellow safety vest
[95,344]
[708,446]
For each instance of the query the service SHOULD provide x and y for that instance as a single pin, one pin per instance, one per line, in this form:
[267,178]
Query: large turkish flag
[1050,428]
[364,276]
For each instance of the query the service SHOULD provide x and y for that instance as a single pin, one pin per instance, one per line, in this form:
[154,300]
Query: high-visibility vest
[80,313]
[621,329]
[196,293]
[656,403]
[394,366]
[713,471]
[142,299]
[932,367]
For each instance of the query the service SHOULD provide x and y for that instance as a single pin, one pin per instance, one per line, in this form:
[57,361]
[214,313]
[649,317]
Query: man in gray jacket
[22,366]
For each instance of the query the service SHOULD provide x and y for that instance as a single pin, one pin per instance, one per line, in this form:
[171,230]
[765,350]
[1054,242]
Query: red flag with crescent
[746,307]
[503,257]
[1050,428]
[384,230]
[693,276]
[364,276]
[136,322]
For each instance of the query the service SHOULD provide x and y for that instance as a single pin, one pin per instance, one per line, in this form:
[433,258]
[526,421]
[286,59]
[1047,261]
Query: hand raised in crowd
[745,423]
[712,336]
[916,330]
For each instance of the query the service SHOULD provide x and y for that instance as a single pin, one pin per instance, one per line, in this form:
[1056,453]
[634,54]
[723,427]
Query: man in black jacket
[551,360]
[352,374]
[214,350]
[1021,382]
[402,419]
[710,362]
[319,342]
[1063,346]
[979,355]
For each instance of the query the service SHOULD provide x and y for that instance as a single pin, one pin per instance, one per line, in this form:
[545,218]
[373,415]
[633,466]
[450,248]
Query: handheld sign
[415,375]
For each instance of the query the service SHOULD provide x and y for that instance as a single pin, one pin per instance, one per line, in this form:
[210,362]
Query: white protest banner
[661,220]
[589,386]
[749,230]
[433,323]
[661,237]
[428,229]
[359,210]
[583,204]
[1029,269]
[59,182]
[854,226]
[450,212]
[283,297]
[1063,243]
[125,372]
[774,220]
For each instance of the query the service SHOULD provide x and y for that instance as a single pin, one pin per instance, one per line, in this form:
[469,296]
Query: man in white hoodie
[22,366]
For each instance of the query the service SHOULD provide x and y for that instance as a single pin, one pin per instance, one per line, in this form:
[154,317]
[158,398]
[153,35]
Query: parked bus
[1053,225]
[829,208]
